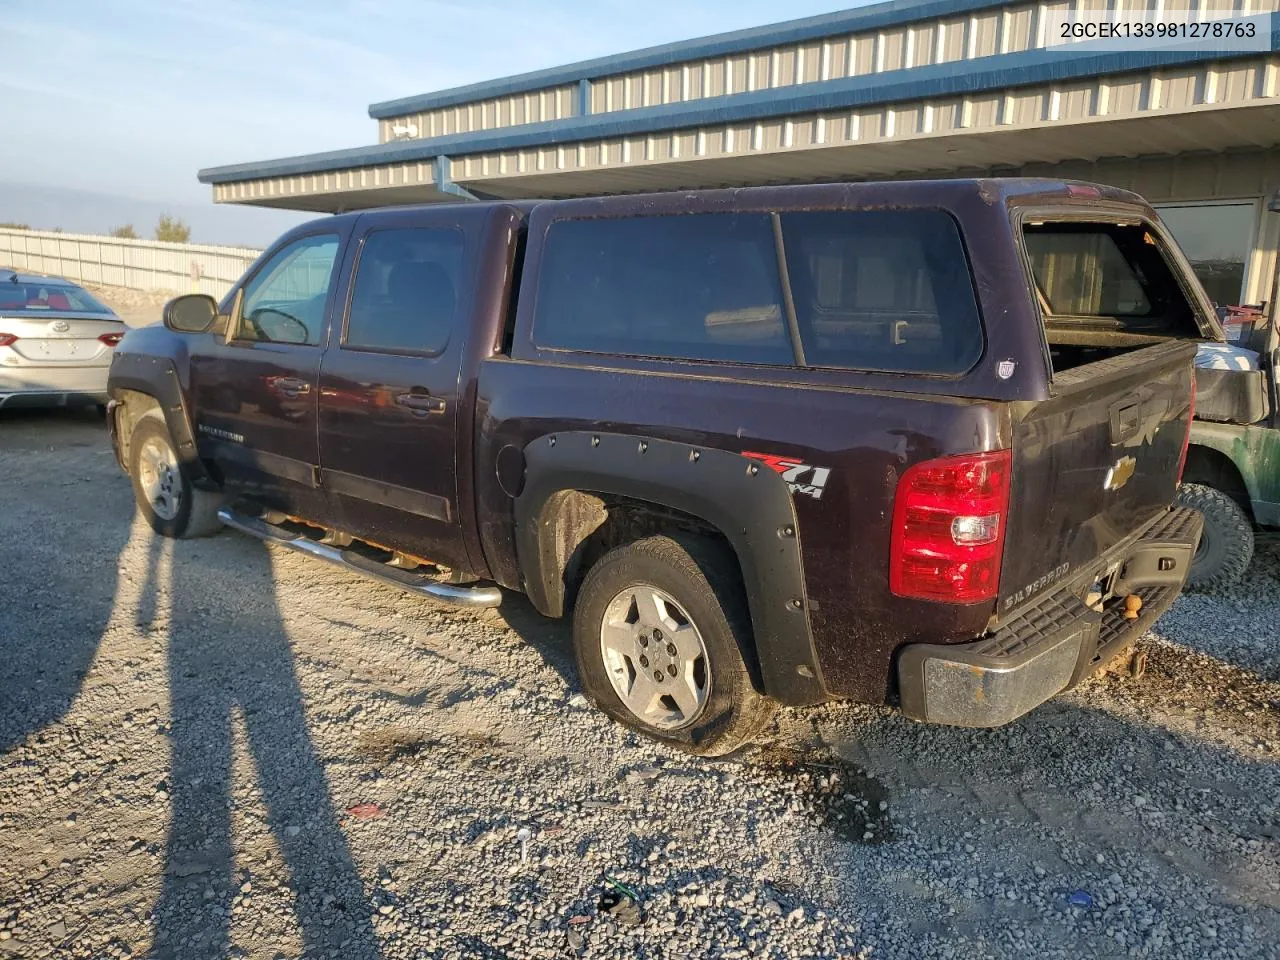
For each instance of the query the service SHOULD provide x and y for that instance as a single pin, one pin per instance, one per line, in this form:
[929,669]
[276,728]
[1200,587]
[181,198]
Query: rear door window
[1104,277]
[405,296]
[694,287]
[882,291]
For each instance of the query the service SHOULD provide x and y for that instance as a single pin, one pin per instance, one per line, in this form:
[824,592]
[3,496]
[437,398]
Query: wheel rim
[655,658]
[158,477]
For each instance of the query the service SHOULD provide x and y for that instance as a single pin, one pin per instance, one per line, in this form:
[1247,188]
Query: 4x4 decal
[792,470]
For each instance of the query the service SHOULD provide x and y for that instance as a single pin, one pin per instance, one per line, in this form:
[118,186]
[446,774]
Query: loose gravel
[216,749]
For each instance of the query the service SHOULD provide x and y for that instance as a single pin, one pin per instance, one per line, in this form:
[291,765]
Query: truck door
[254,387]
[388,404]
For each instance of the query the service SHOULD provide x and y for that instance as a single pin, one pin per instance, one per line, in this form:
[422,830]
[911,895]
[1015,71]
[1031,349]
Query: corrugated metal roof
[1003,72]
[874,17]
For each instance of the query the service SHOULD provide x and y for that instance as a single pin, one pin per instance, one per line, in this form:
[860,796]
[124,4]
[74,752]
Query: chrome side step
[462,596]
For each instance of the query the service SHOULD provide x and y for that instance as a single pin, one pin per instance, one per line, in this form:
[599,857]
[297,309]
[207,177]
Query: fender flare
[746,501]
[158,377]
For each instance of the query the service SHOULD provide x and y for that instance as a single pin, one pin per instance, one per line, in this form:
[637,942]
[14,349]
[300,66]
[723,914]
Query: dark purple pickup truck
[900,442]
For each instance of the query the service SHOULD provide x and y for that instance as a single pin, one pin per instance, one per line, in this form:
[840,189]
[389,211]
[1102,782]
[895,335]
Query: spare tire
[1226,545]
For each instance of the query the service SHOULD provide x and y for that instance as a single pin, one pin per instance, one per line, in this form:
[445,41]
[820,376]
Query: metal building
[905,88]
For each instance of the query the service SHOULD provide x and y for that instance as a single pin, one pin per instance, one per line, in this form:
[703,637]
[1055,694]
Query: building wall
[1014,28]
[1137,94]
[554,103]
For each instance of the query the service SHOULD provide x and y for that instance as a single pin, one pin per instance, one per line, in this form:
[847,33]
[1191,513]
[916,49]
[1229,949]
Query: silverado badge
[1118,474]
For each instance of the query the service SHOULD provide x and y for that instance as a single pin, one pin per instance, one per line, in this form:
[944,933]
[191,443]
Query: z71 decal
[801,477]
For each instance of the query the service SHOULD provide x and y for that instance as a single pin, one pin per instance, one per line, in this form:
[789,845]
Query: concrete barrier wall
[137,264]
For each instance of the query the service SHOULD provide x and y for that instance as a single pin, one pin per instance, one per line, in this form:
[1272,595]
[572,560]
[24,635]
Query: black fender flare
[743,499]
[158,377]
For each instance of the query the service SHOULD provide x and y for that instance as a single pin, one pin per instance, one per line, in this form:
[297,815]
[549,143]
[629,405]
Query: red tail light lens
[111,339]
[1186,439]
[7,339]
[949,518]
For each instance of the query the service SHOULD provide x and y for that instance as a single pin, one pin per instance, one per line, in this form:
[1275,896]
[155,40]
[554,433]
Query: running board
[462,596]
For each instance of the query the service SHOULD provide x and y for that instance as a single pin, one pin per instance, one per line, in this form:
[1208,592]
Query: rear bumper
[1054,644]
[53,398]
[53,386]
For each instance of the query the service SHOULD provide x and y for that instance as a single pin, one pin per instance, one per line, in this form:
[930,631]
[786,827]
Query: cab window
[405,296]
[284,302]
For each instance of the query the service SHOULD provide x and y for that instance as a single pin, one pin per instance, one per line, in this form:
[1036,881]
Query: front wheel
[164,494]
[1226,545]
[663,651]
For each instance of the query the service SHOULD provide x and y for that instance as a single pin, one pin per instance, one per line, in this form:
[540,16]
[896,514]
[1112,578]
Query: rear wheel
[664,652]
[1226,545]
[164,494]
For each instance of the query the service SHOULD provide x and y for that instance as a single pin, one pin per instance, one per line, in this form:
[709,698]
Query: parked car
[1233,465]
[55,342]
[903,442]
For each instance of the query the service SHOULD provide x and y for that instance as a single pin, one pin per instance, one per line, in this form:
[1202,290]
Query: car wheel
[664,652]
[164,495]
[1226,545]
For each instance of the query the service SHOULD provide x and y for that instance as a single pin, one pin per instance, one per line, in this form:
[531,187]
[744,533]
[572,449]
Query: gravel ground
[213,749]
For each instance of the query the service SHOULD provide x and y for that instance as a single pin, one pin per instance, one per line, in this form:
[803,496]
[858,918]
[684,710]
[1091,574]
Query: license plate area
[56,350]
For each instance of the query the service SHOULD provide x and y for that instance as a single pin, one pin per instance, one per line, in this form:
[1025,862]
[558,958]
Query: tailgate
[1093,464]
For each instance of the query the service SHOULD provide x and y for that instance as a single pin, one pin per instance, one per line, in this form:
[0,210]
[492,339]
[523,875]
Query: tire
[1226,546]
[161,489]
[705,702]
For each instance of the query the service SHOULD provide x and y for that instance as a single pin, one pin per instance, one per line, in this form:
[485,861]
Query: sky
[109,107]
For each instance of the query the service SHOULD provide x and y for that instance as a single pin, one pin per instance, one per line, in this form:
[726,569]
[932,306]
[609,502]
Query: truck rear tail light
[7,339]
[111,339]
[948,528]
[1186,439]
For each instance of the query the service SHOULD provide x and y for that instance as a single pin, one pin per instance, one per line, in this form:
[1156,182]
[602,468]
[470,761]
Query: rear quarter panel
[865,440]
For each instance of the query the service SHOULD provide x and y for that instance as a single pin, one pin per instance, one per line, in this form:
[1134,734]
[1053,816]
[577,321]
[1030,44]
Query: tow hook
[1131,663]
[1138,665]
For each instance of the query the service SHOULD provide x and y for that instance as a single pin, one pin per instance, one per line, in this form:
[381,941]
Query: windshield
[46,297]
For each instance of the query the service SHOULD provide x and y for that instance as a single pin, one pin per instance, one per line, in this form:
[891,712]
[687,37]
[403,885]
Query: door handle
[421,402]
[1126,421]
[292,386]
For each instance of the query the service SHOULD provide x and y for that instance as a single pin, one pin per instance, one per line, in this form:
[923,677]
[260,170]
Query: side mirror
[192,313]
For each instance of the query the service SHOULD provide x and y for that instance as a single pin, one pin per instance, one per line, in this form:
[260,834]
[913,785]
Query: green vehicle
[1232,474]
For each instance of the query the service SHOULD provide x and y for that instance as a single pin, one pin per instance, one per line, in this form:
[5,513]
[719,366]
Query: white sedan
[55,342]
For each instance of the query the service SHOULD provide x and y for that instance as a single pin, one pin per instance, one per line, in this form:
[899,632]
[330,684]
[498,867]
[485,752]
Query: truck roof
[862,193]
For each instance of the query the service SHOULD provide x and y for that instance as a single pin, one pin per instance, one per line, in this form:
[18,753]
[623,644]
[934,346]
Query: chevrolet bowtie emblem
[1119,474]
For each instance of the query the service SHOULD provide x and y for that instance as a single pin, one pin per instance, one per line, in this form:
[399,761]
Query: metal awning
[917,88]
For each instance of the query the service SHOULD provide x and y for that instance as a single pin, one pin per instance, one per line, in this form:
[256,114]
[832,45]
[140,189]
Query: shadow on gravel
[55,609]
[552,639]
[232,662]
